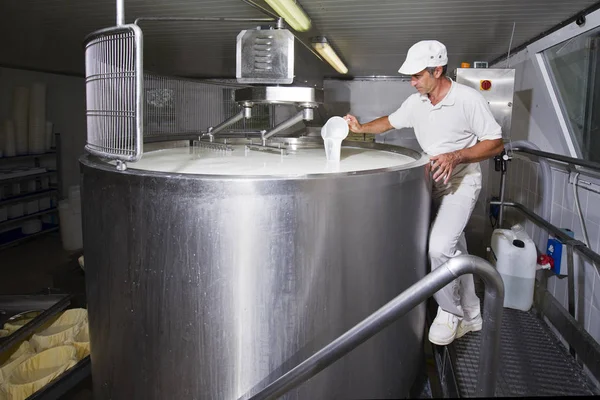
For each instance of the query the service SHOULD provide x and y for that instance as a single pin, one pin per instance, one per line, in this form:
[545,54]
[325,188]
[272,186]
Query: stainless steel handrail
[557,157]
[399,306]
[577,245]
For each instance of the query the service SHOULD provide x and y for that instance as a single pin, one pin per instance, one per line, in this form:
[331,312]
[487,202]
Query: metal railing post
[571,287]
[120,12]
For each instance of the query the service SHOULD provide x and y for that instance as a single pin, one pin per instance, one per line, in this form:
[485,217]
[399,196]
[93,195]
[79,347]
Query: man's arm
[444,164]
[376,126]
[481,151]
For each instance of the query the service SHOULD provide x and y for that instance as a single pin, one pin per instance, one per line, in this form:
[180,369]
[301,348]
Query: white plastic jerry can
[514,255]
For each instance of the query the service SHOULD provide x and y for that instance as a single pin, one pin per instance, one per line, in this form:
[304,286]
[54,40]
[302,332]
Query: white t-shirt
[459,121]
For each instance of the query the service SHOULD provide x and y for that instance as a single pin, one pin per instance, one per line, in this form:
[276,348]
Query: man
[454,125]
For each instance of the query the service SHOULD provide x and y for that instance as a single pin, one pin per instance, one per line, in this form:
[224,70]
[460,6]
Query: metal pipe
[262,9]
[587,186]
[309,48]
[390,312]
[120,12]
[578,245]
[503,159]
[16,303]
[228,122]
[33,325]
[502,189]
[191,19]
[272,118]
[306,114]
[247,112]
[524,145]
[571,287]
[569,160]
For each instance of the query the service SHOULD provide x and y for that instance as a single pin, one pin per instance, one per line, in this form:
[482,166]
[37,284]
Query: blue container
[558,251]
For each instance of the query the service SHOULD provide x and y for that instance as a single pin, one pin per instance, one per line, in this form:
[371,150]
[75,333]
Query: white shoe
[444,328]
[469,325]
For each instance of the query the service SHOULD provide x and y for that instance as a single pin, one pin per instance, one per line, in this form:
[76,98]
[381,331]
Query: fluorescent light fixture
[292,13]
[325,50]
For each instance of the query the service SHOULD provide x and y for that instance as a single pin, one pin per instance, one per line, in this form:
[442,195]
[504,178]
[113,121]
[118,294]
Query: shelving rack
[11,237]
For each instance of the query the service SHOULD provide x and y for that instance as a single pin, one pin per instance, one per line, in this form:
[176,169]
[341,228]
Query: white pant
[452,209]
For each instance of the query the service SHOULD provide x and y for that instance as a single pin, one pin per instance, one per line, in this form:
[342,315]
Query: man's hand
[353,123]
[443,165]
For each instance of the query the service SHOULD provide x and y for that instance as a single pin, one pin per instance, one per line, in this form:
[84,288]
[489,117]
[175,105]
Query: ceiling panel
[372,37]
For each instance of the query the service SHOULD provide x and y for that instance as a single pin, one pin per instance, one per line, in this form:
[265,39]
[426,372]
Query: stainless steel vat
[210,287]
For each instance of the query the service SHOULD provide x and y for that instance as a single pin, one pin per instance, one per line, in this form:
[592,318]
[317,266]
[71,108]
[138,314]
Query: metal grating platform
[533,362]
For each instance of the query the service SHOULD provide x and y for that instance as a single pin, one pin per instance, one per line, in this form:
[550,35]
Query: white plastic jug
[333,133]
[514,255]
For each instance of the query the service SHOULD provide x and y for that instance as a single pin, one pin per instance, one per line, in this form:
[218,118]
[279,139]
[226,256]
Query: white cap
[423,54]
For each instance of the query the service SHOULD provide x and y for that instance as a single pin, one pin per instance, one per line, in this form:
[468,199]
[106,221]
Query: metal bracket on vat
[307,114]
[203,144]
[398,307]
[121,165]
[276,148]
[306,98]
